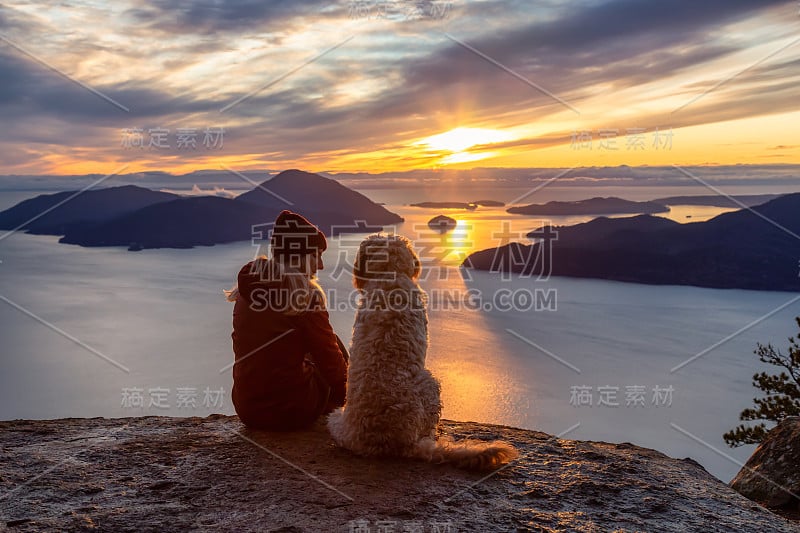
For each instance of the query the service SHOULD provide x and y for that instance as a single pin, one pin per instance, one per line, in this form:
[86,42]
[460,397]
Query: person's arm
[322,342]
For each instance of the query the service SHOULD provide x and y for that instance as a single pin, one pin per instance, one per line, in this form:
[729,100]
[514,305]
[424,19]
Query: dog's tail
[468,454]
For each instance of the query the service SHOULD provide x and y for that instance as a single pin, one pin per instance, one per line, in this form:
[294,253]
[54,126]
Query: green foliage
[782,394]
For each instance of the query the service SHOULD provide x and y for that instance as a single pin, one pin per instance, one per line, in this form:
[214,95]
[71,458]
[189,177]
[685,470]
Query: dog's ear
[417,266]
[360,268]
[372,261]
[410,260]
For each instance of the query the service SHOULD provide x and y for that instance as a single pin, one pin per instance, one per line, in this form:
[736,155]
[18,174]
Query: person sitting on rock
[290,367]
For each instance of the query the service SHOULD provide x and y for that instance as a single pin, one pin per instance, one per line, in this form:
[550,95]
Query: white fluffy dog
[393,405]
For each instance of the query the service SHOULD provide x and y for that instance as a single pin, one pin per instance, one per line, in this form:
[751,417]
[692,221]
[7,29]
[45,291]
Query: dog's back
[393,402]
[392,399]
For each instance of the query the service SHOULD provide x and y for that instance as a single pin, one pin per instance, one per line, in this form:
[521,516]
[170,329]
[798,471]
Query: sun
[454,145]
[460,139]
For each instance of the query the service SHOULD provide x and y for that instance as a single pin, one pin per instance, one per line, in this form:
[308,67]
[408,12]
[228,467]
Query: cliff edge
[213,474]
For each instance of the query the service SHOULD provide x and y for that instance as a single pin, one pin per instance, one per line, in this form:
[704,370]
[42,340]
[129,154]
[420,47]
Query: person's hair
[304,292]
[232,293]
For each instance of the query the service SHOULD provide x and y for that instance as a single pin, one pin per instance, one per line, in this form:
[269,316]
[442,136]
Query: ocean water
[106,332]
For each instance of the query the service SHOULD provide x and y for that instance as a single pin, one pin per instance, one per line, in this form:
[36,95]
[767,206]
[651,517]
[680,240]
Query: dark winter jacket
[289,366]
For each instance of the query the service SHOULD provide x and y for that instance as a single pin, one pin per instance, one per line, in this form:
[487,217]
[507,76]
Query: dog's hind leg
[336,426]
[430,391]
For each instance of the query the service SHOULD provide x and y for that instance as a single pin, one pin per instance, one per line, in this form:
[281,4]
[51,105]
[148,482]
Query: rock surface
[212,474]
[772,474]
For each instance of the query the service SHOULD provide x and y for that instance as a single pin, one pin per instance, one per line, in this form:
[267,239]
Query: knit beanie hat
[294,235]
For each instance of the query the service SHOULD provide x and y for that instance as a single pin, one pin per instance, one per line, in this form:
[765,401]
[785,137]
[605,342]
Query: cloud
[199,191]
[176,64]
[210,16]
[624,42]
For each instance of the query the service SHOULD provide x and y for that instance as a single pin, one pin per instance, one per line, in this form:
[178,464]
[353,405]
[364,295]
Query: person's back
[290,367]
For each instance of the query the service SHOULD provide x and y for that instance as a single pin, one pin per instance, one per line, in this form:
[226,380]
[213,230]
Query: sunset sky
[374,86]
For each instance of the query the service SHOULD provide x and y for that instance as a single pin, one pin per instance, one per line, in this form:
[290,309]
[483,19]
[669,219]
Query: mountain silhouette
[141,218]
[593,206]
[716,200]
[55,214]
[317,194]
[746,249]
[181,223]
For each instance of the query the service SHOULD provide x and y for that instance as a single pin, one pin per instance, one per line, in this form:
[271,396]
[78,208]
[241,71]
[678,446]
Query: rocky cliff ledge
[212,474]
[772,474]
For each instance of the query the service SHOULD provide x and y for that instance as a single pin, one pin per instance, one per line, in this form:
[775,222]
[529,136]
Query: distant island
[141,218]
[459,205]
[739,249]
[442,223]
[593,206]
[716,200]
